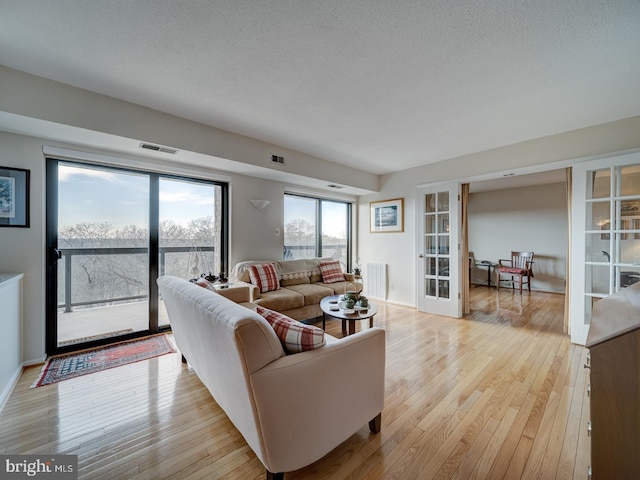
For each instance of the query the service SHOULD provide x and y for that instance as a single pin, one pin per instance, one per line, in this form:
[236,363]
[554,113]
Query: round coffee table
[329,306]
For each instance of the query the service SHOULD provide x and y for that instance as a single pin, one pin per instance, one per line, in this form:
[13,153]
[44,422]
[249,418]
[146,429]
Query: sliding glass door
[110,233]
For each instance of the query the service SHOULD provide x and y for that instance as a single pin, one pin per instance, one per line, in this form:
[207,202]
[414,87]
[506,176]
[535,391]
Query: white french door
[606,238]
[438,249]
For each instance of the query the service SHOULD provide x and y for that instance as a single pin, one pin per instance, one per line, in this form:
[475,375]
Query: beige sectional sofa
[291,409]
[301,286]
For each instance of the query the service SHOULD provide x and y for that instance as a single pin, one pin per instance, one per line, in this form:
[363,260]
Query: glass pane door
[612,232]
[335,221]
[606,238]
[190,225]
[438,256]
[300,230]
[103,240]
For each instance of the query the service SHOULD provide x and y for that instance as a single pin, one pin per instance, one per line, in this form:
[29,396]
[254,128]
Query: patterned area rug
[63,367]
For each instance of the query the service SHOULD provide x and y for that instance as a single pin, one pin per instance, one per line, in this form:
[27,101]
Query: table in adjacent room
[488,265]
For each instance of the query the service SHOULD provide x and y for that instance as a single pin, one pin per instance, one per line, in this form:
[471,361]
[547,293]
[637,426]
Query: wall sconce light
[260,204]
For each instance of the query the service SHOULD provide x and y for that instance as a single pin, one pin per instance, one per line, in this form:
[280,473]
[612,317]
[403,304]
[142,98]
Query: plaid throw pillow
[294,336]
[264,276]
[331,272]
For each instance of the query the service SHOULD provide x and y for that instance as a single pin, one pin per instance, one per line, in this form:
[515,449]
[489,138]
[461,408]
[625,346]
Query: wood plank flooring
[499,394]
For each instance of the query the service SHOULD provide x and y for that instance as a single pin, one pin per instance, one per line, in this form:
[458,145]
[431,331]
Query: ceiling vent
[333,185]
[277,159]
[158,148]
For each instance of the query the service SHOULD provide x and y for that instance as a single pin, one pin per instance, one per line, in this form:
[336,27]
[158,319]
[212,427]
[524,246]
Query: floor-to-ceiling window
[317,227]
[110,233]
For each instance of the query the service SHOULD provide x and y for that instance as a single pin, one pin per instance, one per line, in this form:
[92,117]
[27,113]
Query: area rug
[64,367]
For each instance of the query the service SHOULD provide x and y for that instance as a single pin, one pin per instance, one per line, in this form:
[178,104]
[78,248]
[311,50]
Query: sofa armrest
[254,291]
[310,402]
[236,293]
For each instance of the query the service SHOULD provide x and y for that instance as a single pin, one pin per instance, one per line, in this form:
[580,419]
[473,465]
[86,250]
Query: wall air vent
[158,148]
[277,159]
[333,185]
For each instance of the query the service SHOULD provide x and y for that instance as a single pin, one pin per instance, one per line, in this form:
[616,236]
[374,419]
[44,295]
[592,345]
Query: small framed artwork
[630,208]
[387,216]
[14,197]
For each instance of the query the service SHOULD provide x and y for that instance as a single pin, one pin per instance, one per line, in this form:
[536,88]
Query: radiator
[376,280]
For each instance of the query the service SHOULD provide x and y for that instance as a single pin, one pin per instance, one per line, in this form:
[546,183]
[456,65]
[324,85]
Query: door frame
[451,307]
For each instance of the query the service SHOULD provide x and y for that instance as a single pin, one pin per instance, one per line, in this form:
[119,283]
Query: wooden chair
[520,265]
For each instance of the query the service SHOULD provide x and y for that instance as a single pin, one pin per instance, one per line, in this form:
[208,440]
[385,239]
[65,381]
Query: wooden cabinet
[614,365]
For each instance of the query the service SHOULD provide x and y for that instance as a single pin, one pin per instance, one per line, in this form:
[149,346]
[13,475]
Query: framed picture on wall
[630,208]
[387,216]
[14,197]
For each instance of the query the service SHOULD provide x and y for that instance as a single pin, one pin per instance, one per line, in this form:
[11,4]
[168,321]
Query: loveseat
[300,286]
[291,409]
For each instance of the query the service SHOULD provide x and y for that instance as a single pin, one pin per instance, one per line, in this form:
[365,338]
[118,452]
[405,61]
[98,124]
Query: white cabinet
[11,326]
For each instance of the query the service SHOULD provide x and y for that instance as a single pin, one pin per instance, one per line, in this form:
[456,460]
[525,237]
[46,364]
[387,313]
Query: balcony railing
[69,253]
[292,252]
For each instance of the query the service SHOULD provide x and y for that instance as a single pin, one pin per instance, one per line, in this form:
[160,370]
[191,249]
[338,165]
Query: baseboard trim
[13,381]
[393,302]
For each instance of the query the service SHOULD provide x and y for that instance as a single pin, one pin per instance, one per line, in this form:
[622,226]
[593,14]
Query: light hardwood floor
[499,394]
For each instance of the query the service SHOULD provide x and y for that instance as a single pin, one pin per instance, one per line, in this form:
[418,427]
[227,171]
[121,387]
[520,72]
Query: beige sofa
[301,286]
[291,409]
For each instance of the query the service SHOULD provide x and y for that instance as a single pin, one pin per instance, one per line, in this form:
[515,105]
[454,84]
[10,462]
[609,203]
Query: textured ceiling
[379,85]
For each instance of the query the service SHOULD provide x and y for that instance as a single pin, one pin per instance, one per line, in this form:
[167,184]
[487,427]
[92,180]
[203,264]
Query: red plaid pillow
[331,272]
[264,276]
[295,336]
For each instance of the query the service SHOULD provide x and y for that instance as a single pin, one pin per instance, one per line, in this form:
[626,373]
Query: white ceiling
[375,84]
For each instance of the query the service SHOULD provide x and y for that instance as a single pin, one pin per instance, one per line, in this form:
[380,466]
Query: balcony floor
[93,323]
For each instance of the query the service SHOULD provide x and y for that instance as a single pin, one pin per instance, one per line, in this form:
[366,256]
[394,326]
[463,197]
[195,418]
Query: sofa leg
[184,359]
[275,476]
[376,423]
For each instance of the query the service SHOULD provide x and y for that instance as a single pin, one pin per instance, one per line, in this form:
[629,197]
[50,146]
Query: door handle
[421,256]
[56,254]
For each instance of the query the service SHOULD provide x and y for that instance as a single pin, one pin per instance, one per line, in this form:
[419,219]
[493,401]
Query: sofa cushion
[312,293]
[264,276]
[286,282]
[331,272]
[280,300]
[295,336]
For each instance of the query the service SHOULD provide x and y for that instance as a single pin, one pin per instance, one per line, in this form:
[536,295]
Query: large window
[316,227]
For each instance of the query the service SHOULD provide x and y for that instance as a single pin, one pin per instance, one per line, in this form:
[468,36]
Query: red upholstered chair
[520,265]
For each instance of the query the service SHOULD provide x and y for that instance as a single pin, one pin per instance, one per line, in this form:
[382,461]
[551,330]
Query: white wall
[22,249]
[524,219]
